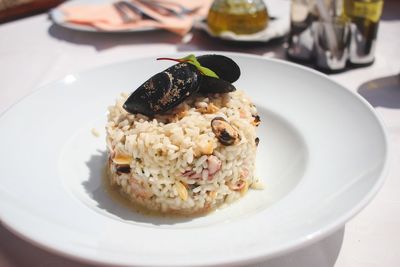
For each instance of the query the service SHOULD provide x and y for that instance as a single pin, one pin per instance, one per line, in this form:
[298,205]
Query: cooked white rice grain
[178,165]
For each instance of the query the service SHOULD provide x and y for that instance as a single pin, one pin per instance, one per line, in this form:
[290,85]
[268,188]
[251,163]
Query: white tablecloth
[34,52]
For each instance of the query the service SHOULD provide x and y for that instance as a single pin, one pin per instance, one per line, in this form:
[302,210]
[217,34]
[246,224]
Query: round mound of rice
[174,163]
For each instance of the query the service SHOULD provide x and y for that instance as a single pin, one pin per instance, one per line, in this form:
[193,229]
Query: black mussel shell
[223,66]
[164,90]
[213,85]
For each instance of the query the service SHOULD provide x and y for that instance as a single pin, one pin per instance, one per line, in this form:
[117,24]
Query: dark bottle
[364,16]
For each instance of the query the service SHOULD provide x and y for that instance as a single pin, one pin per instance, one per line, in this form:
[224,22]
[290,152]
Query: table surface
[34,52]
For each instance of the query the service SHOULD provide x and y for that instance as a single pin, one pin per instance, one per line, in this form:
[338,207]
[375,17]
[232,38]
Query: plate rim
[252,257]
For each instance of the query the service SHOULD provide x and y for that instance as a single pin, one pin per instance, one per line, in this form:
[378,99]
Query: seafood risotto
[187,159]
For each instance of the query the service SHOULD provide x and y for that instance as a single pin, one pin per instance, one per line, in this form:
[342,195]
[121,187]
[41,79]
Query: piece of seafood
[169,88]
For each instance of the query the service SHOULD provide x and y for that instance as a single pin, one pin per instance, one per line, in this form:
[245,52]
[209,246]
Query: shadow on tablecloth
[103,41]
[390,10]
[196,40]
[382,92]
[202,41]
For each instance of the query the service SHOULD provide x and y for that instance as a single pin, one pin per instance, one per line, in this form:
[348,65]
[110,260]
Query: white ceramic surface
[323,155]
[58,17]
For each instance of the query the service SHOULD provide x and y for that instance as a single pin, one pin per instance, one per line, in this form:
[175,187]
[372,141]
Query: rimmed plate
[323,155]
[58,18]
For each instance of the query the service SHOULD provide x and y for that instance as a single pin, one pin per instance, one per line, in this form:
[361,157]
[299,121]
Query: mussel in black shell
[223,66]
[226,69]
[169,88]
[164,90]
[211,85]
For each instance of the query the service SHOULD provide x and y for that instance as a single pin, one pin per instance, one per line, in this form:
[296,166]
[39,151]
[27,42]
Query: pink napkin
[106,17]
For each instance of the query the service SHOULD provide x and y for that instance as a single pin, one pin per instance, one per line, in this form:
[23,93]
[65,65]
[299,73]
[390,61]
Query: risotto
[190,159]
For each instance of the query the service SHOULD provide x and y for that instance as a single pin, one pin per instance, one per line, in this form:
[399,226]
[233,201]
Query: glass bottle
[364,16]
[238,16]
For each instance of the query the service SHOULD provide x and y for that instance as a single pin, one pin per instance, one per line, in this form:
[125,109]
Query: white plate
[58,17]
[278,26]
[323,154]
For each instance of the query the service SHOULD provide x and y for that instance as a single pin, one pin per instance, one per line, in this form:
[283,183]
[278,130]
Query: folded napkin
[106,17]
